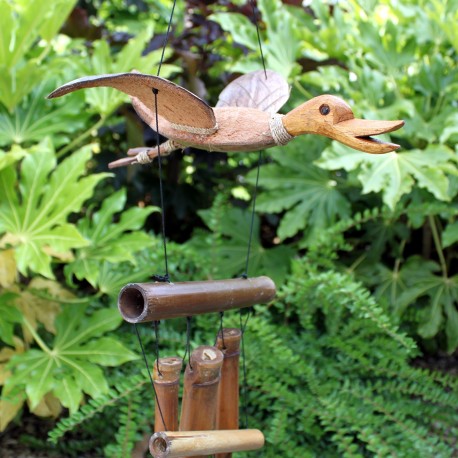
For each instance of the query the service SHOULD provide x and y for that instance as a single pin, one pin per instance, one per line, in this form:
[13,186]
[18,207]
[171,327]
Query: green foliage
[420,280]
[394,71]
[14,155]
[224,249]
[123,389]
[10,316]
[348,365]
[394,174]
[70,366]
[105,100]
[356,286]
[36,118]
[108,241]
[21,24]
[281,42]
[131,414]
[310,195]
[34,220]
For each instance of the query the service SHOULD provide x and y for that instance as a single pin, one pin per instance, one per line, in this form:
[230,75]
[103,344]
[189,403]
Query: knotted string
[164,278]
[145,359]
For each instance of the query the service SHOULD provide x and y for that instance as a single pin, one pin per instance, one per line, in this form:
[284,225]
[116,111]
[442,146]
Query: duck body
[240,129]
[244,119]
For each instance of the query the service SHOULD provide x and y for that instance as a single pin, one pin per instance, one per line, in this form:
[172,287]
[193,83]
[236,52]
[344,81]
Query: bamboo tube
[204,443]
[200,394]
[227,416]
[139,302]
[167,383]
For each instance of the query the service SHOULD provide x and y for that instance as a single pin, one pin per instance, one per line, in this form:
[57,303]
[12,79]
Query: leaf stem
[437,243]
[397,266]
[301,89]
[60,300]
[75,142]
[356,263]
[44,53]
[36,337]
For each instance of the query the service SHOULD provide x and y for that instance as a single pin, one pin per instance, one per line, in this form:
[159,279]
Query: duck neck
[297,122]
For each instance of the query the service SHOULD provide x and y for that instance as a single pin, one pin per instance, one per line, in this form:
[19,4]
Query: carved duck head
[330,116]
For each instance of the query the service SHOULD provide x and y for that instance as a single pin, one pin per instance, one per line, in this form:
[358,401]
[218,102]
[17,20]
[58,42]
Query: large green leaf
[9,316]
[24,21]
[396,285]
[15,85]
[450,234]
[109,241]
[394,174]
[14,155]
[70,367]
[281,46]
[33,215]
[309,195]
[22,24]
[440,299]
[389,49]
[36,118]
[224,252]
[105,100]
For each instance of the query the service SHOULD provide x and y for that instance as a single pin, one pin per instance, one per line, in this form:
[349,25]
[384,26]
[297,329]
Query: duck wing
[181,108]
[254,90]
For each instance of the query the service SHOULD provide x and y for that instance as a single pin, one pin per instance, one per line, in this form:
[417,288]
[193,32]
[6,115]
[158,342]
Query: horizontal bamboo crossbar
[139,302]
[196,443]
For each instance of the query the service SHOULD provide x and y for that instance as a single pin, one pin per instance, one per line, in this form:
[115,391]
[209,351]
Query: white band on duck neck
[278,131]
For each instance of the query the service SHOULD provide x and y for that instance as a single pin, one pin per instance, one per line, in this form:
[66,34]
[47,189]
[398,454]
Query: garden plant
[356,357]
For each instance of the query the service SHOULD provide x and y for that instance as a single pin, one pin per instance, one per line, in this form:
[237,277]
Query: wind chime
[244,119]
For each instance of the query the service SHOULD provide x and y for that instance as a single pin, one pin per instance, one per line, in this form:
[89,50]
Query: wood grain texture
[140,302]
[166,379]
[200,392]
[175,103]
[227,417]
[204,443]
[240,122]
[331,117]
[239,130]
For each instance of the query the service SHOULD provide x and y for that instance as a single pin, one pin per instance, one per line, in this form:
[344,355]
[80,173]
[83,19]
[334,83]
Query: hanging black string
[145,359]
[244,371]
[156,333]
[245,275]
[221,318]
[250,238]
[166,277]
[188,340]
[255,18]
[166,39]
[187,351]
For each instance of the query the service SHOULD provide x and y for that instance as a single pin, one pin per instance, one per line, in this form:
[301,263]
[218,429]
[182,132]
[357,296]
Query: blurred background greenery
[357,356]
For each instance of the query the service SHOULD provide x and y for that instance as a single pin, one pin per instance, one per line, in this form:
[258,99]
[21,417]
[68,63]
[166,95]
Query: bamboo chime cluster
[210,406]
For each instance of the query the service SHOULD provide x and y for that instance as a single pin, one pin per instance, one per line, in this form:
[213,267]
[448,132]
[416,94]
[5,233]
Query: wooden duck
[244,119]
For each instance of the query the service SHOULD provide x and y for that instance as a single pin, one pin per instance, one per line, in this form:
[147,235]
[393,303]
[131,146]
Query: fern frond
[122,390]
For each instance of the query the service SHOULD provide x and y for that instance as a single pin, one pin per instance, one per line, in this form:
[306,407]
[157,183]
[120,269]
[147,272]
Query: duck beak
[357,133]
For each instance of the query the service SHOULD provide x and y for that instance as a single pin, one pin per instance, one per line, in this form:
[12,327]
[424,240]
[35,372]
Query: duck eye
[325,110]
